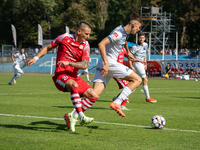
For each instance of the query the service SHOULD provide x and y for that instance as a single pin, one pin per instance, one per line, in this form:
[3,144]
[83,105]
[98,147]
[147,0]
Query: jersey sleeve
[133,50]
[23,57]
[115,36]
[16,55]
[58,40]
[86,52]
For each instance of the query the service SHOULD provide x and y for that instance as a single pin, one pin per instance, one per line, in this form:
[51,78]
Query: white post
[136,41]
[163,51]
[51,65]
[149,46]
[176,45]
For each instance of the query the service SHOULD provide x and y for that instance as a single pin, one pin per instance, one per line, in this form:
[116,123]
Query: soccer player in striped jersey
[139,51]
[73,54]
[19,60]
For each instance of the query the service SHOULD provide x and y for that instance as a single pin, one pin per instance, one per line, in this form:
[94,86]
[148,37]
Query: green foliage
[102,15]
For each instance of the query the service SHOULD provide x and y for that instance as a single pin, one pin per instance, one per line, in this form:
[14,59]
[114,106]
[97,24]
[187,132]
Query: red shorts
[60,81]
[121,83]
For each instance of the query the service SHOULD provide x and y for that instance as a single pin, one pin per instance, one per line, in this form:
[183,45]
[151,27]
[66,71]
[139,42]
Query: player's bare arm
[40,54]
[131,65]
[102,50]
[130,56]
[80,65]
[12,57]
[145,60]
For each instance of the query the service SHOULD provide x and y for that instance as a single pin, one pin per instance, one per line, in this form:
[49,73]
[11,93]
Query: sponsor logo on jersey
[115,34]
[65,78]
[73,44]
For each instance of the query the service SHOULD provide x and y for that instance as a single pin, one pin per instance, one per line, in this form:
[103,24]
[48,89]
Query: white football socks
[146,91]
[87,75]
[123,95]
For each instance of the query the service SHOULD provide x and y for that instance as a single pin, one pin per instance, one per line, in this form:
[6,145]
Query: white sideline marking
[152,91]
[120,124]
[161,91]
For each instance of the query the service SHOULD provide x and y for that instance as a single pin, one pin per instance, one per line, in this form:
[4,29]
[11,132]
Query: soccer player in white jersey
[108,66]
[139,51]
[19,60]
[86,71]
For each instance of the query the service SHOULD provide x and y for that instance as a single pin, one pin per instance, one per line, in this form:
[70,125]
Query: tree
[190,13]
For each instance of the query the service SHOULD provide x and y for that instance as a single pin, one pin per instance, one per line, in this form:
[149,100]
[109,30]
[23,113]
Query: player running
[139,51]
[73,54]
[108,66]
[86,71]
[19,60]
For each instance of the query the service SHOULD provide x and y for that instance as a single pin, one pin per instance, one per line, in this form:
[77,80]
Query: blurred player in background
[86,71]
[73,54]
[19,60]
[139,51]
[108,67]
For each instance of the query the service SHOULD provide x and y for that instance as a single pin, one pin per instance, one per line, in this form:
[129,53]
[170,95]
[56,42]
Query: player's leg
[140,70]
[18,74]
[87,76]
[146,91]
[89,99]
[67,84]
[121,83]
[123,72]
[134,82]
[15,73]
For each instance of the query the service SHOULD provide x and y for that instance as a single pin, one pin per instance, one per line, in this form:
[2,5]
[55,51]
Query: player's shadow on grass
[44,126]
[73,107]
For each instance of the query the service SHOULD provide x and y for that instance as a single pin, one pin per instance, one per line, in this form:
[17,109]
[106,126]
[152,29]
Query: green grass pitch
[31,117]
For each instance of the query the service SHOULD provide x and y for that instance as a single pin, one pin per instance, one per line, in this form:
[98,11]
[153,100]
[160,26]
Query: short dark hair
[141,34]
[135,16]
[83,25]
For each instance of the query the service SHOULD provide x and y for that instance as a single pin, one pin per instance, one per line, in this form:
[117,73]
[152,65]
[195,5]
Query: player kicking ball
[73,54]
[19,60]
[139,51]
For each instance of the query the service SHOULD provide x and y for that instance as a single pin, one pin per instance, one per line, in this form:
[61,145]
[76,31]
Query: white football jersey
[118,38]
[139,51]
[18,57]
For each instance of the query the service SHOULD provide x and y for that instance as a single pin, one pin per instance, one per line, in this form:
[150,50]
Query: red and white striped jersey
[70,50]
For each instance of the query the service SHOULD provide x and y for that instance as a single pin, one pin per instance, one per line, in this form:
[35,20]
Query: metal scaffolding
[159,28]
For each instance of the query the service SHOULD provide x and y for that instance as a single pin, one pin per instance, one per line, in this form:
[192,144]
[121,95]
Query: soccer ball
[158,122]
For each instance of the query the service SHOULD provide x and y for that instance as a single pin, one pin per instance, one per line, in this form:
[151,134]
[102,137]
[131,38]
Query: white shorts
[140,69]
[86,70]
[116,70]
[17,69]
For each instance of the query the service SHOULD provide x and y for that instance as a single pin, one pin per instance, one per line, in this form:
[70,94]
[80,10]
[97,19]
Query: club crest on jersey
[115,34]
[81,47]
